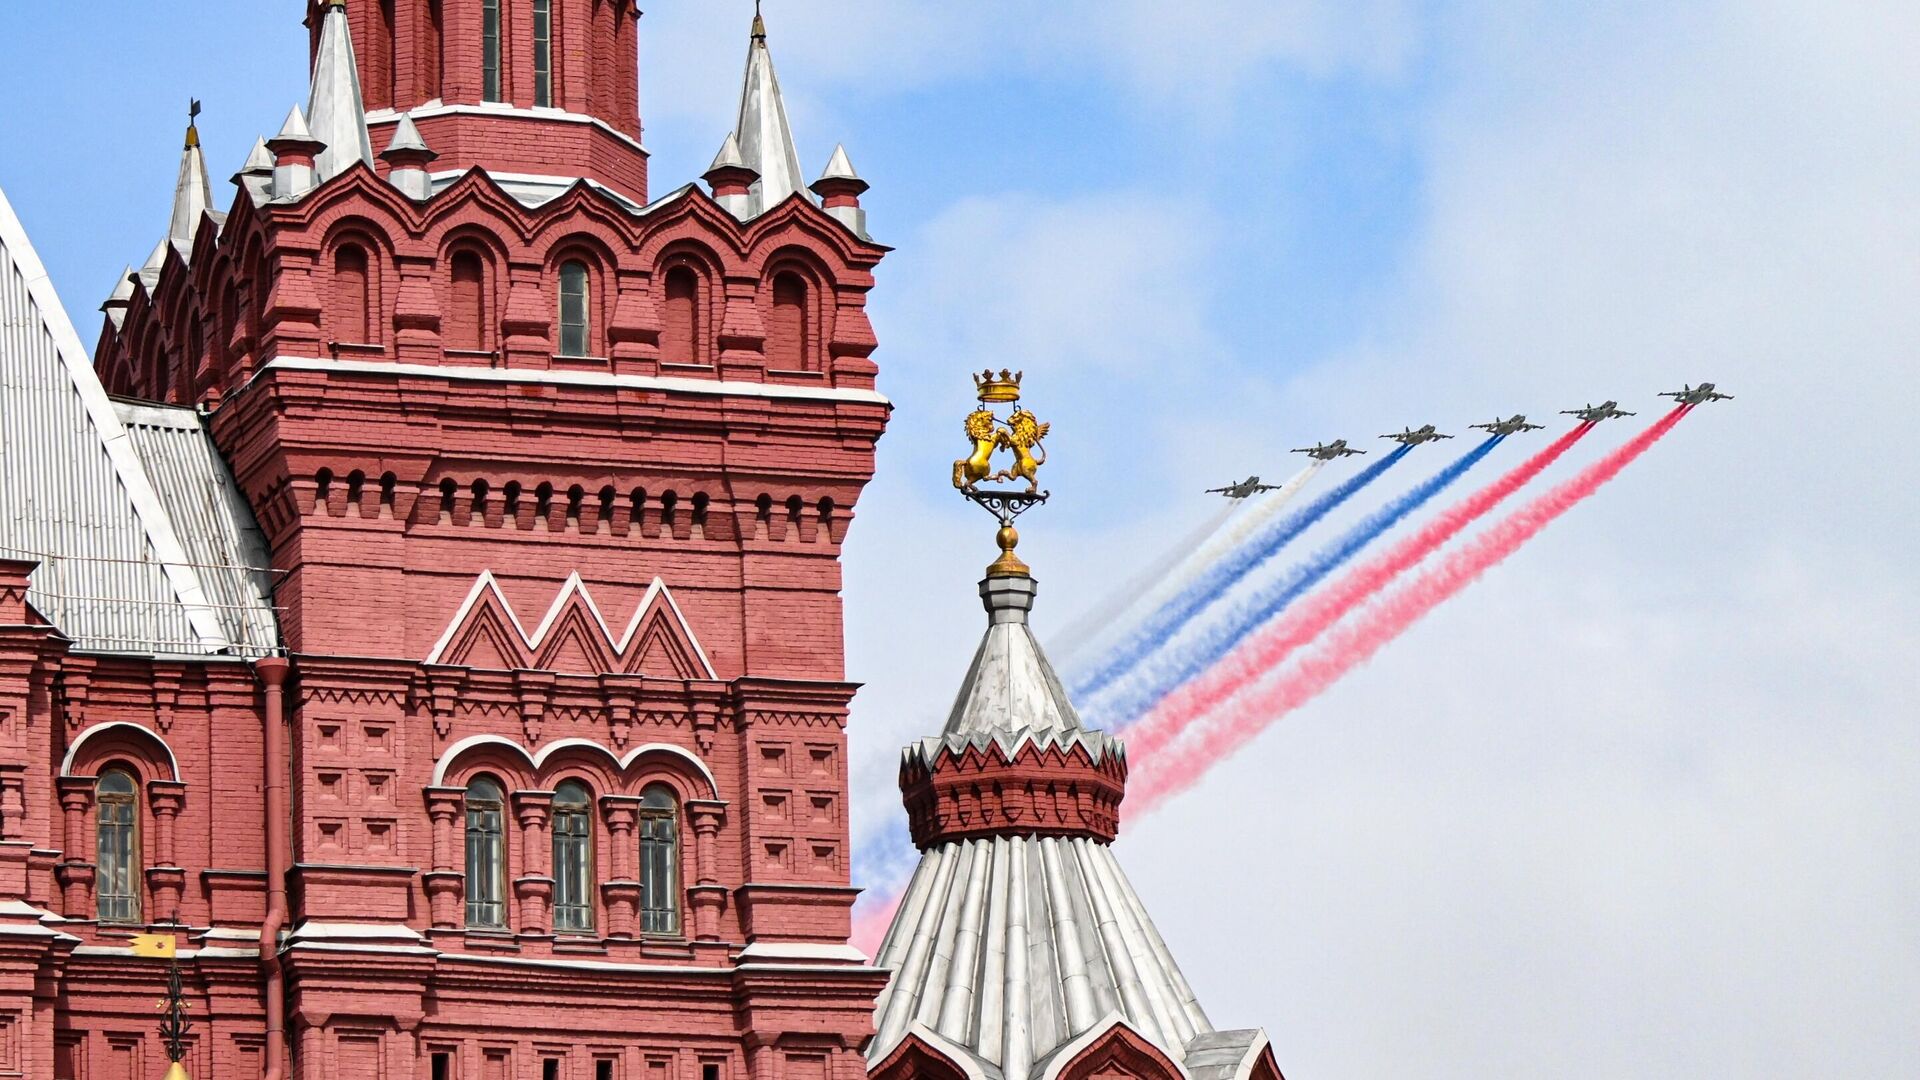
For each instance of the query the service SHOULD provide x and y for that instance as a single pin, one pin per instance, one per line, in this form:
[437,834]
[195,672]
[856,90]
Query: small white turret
[294,153]
[732,180]
[407,158]
[840,188]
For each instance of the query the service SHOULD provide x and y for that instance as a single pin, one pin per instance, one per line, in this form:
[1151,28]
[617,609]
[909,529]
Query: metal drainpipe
[273,673]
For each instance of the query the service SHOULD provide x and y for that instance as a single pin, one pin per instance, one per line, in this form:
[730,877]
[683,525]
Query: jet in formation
[1245,489]
[1332,451]
[1513,425]
[1697,395]
[1593,414]
[1410,437]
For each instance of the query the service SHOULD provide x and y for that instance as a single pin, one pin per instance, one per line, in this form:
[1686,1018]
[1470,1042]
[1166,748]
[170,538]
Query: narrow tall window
[467,326]
[486,856]
[543,52]
[787,335]
[572,857]
[116,806]
[352,292]
[659,862]
[490,49]
[680,336]
[574,323]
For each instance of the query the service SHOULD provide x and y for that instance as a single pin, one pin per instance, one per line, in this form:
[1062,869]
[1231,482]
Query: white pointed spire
[336,110]
[115,306]
[840,167]
[192,191]
[729,155]
[765,137]
[256,176]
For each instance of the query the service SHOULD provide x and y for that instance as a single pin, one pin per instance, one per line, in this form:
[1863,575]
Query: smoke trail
[1158,588]
[1353,645]
[1261,654]
[1180,661]
[1116,602]
[1222,575]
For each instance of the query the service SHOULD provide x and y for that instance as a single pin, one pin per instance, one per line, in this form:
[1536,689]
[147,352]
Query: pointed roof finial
[193,131]
[759,24]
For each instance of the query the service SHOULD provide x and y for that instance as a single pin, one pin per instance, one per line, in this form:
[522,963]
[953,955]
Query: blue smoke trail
[1147,684]
[1223,575]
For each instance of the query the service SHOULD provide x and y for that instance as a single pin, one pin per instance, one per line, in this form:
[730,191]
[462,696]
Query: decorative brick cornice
[1039,791]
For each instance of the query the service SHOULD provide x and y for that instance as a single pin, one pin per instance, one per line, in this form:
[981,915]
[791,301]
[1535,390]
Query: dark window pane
[486,871]
[574,326]
[659,863]
[543,52]
[117,842]
[490,48]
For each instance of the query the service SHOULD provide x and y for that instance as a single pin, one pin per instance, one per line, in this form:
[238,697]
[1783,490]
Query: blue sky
[1641,803]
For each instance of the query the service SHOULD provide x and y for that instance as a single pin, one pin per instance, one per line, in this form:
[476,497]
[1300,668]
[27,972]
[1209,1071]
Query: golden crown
[1005,387]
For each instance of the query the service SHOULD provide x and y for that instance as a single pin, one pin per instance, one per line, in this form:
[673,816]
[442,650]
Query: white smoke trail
[1174,571]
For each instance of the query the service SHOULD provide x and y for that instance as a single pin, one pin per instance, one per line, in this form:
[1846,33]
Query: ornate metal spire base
[1006,506]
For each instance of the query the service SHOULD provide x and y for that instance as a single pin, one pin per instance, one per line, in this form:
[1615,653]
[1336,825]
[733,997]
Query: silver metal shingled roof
[1010,948]
[76,494]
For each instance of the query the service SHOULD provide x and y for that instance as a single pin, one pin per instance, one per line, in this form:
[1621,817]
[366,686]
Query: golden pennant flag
[155,946]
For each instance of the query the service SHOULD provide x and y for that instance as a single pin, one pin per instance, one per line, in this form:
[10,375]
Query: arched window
[490,50]
[572,857]
[680,331]
[787,333]
[116,808]
[543,52]
[486,855]
[659,861]
[466,323]
[575,325]
[352,294]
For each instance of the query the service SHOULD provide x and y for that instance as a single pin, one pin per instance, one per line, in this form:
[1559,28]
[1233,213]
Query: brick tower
[494,725]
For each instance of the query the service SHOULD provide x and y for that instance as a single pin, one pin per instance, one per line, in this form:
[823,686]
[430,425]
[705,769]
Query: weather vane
[1020,433]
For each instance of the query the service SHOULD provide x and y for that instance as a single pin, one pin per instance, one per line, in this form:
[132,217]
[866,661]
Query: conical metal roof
[192,194]
[1009,948]
[765,137]
[336,113]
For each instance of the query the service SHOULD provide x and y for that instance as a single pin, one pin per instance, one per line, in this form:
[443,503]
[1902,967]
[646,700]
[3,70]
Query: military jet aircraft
[1593,414]
[1410,437]
[1245,489]
[1513,425]
[1334,450]
[1697,395]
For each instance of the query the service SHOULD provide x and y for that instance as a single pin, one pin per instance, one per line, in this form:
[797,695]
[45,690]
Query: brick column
[75,871]
[534,889]
[620,892]
[446,882]
[707,896]
[165,880]
[13,801]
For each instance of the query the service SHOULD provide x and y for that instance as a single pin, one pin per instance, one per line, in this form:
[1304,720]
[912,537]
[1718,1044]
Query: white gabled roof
[76,495]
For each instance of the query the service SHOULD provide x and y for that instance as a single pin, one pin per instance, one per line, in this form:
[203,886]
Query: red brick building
[425,604]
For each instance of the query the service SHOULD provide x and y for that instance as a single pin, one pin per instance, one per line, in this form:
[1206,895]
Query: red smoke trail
[870,927]
[1353,645]
[1261,653]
